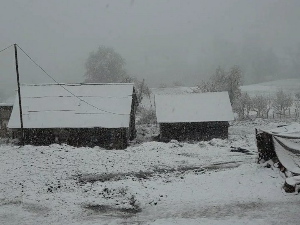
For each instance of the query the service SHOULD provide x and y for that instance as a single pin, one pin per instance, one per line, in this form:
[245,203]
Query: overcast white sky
[161,40]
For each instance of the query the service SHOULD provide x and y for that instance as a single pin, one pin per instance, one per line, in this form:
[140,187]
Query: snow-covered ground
[148,183]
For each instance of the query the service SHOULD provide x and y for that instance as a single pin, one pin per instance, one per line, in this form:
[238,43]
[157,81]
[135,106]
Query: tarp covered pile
[282,142]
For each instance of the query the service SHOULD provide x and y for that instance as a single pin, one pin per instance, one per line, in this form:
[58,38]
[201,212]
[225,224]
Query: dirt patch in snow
[91,178]
[223,165]
[4,202]
[104,209]
[239,209]
[35,208]
[28,207]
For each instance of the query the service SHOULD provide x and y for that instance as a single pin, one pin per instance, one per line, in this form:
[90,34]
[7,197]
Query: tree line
[242,103]
[280,104]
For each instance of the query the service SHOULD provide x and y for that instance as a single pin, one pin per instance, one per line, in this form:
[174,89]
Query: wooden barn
[198,116]
[5,111]
[100,114]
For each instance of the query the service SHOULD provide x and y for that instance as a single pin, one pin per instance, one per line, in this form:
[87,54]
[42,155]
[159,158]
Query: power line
[66,88]
[6,48]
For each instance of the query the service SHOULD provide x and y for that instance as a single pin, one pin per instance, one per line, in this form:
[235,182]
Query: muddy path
[157,172]
[275,213]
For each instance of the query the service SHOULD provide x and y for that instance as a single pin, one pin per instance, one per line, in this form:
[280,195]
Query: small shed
[197,116]
[100,114]
[5,112]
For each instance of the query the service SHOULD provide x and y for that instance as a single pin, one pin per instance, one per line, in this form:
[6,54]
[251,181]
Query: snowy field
[269,89]
[290,86]
[148,183]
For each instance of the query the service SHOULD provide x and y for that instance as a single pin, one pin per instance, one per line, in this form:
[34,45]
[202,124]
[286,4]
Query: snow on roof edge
[75,84]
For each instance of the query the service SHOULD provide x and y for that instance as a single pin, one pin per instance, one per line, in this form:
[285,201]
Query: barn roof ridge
[74,84]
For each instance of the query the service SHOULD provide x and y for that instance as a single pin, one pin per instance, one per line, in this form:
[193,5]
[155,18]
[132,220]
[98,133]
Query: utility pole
[19,94]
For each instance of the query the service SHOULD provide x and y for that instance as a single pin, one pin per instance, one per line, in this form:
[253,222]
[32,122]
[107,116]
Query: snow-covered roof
[51,106]
[197,107]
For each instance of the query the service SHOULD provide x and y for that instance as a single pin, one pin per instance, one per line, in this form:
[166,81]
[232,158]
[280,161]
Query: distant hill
[291,86]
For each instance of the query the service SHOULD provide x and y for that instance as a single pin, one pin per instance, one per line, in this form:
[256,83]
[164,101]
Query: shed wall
[193,131]
[103,137]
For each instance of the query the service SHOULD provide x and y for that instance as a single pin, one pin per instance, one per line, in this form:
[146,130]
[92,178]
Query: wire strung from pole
[66,88]
[6,48]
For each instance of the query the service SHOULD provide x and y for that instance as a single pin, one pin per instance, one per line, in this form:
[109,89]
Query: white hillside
[269,88]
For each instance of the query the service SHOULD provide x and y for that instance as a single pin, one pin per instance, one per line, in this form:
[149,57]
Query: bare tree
[177,84]
[218,82]
[234,81]
[282,102]
[269,103]
[259,105]
[142,90]
[222,81]
[162,85]
[242,106]
[105,66]
[248,103]
[297,103]
[204,87]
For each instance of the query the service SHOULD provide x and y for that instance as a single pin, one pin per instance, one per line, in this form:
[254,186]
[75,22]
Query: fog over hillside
[161,40]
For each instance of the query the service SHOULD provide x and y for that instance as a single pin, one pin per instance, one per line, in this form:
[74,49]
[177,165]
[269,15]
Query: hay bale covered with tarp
[282,142]
[283,145]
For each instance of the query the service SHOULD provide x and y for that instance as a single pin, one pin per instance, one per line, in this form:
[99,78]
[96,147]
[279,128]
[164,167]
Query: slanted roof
[51,106]
[200,107]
